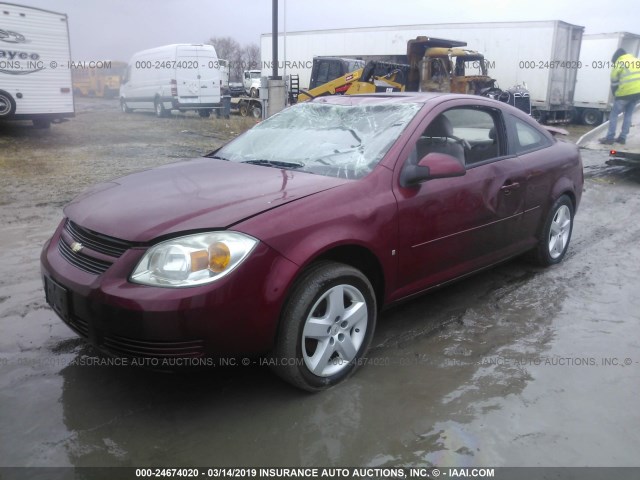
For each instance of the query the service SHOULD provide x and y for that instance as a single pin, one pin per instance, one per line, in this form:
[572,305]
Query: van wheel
[160,110]
[7,105]
[123,106]
[204,113]
[326,327]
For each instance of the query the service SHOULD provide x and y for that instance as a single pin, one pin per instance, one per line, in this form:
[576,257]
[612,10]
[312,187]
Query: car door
[452,226]
[530,144]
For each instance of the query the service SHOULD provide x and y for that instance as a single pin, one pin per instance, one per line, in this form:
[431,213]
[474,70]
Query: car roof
[433,98]
[394,97]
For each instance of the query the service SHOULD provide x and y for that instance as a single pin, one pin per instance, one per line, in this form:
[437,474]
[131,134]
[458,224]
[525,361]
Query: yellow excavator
[375,76]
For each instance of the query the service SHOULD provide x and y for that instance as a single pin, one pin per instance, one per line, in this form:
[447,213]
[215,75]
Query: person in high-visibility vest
[625,85]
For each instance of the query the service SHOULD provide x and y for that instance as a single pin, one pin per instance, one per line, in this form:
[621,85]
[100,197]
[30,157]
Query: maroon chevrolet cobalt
[289,240]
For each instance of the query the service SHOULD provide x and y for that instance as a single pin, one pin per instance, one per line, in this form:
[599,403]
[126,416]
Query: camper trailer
[35,59]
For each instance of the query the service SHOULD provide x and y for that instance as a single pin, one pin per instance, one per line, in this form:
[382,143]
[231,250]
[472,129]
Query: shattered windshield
[345,141]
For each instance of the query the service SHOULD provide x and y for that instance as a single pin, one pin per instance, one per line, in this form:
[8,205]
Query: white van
[174,77]
[35,79]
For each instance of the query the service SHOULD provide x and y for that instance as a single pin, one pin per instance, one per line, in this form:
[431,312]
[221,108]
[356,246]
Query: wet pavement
[517,366]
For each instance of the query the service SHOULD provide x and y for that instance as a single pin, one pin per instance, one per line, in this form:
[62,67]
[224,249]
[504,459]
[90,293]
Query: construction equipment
[439,65]
[435,65]
[375,76]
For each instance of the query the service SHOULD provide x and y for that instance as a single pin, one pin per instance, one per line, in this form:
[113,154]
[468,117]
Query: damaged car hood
[192,195]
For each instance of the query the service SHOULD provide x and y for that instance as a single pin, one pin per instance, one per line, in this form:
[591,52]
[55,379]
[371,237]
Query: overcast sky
[115,29]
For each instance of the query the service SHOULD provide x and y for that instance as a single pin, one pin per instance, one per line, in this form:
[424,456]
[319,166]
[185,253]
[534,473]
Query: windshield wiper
[275,163]
[218,157]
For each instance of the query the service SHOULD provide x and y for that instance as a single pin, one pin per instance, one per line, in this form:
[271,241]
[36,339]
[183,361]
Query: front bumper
[236,315]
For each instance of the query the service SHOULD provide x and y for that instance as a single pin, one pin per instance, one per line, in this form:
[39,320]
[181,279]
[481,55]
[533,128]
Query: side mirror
[433,165]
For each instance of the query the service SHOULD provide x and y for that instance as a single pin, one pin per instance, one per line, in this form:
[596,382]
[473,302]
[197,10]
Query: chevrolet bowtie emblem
[76,247]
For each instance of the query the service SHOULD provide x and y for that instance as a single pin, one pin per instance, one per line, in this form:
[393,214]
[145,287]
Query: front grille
[80,326]
[82,261]
[522,102]
[97,242]
[139,348]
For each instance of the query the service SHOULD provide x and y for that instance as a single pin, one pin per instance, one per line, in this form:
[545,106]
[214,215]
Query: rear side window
[527,138]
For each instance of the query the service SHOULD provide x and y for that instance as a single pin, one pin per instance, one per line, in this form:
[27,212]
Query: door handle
[506,189]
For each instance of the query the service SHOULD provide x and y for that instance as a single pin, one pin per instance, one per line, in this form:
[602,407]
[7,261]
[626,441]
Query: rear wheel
[326,327]
[7,105]
[556,234]
[244,109]
[256,111]
[160,110]
[204,113]
[591,117]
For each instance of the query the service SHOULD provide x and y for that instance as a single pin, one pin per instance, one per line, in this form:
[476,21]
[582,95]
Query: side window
[469,134]
[335,71]
[527,138]
[323,73]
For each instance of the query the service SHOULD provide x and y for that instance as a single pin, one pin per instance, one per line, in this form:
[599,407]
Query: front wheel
[124,107]
[539,116]
[556,234]
[326,327]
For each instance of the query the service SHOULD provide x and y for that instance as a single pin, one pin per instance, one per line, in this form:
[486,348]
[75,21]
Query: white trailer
[543,55]
[35,60]
[593,98]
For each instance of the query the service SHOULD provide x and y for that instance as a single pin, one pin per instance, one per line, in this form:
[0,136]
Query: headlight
[193,260]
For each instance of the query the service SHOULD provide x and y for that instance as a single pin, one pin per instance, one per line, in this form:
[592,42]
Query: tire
[591,117]
[539,116]
[256,112]
[254,93]
[7,105]
[244,109]
[321,341]
[161,112]
[123,106]
[41,123]
[556,234]
[204,113]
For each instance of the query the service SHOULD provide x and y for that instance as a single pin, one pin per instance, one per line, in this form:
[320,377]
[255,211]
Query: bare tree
[229,49]
[251,57]
[226,47]
[240,57]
